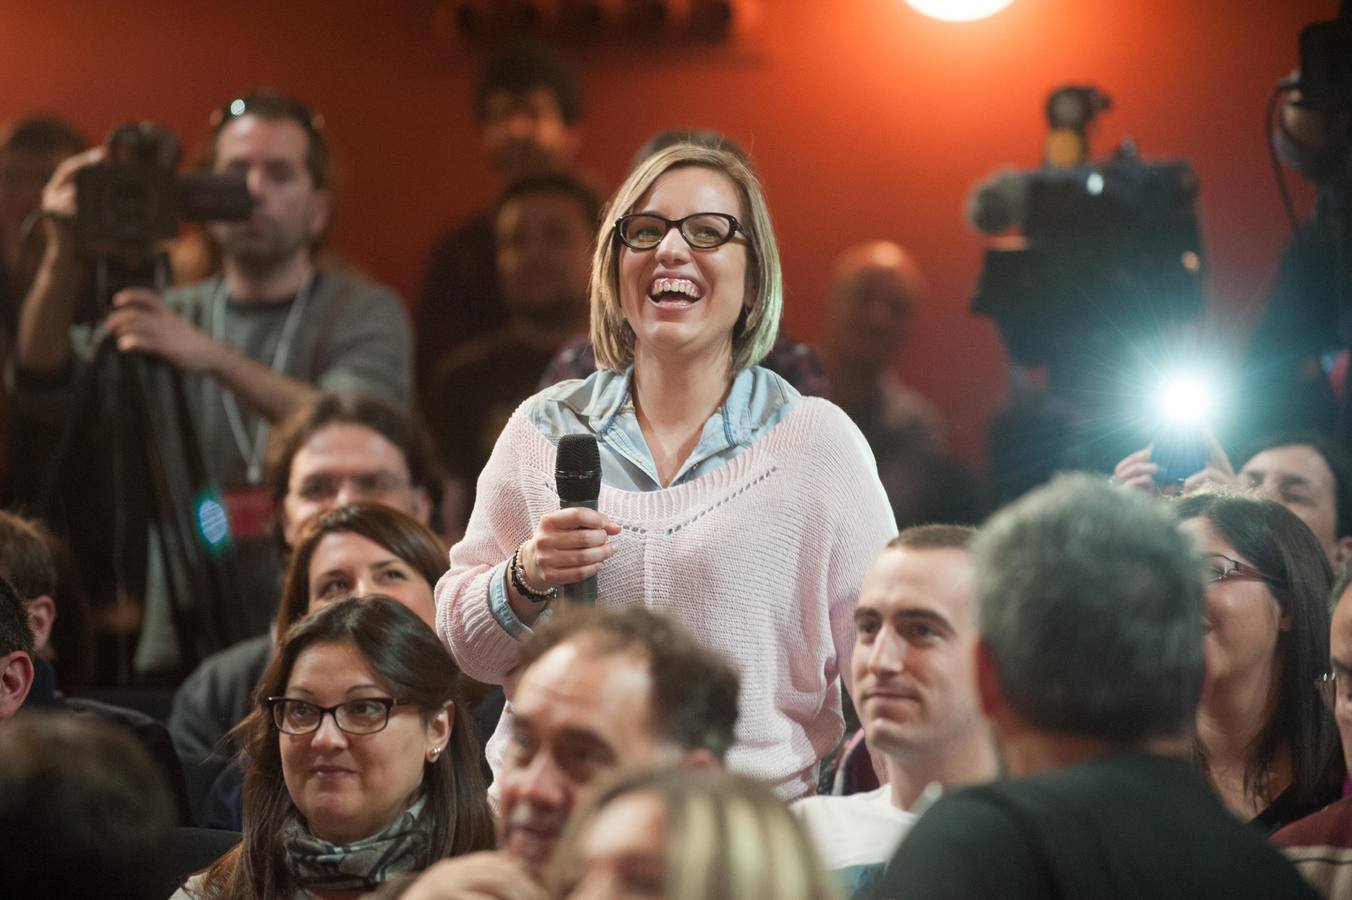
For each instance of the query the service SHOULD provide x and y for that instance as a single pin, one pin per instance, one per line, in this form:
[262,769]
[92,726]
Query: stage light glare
[1186,400]
[1094,183]
[958,10]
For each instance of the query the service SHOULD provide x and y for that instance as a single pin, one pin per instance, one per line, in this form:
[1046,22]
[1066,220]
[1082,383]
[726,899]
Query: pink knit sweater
[761,559]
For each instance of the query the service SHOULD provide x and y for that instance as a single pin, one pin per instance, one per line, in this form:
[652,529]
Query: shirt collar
[611,396]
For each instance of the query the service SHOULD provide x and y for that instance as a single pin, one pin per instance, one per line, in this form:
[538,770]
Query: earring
[436,751]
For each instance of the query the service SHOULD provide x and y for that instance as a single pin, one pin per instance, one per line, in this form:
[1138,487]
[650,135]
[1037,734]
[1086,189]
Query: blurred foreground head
[83,811]
[684,834]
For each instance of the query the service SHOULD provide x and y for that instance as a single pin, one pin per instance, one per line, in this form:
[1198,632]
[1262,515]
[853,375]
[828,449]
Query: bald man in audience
[597,691]
[1321,844]
[916,695]
[873,295]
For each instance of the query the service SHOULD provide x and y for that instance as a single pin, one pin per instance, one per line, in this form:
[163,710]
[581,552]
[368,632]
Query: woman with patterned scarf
[363,762]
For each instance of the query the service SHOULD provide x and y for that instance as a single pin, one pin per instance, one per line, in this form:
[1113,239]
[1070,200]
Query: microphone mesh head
[577,470]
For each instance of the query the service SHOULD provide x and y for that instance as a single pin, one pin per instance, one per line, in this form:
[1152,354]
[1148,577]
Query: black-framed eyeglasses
[269,105]
[1220,567]
[365,716]
[703,231]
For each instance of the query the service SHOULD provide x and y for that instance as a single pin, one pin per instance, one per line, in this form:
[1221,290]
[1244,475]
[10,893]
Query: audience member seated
[1312,477]
[16,652]
[83,811]
[597,691]
[796,363]
[340,449]
[1265,739]
[684,833]
[1089,667]
[529,108]
[362,761]
[1320,844]
[545,225]
[873,294]
[362,549]
[912,675]
[707,459]
[26,564]
[253,345]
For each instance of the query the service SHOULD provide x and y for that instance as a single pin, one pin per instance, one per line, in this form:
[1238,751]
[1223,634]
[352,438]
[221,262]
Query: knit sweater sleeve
[864,522]
[501,520]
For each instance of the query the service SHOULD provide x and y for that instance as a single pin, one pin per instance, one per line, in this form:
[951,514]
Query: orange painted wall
[866,119]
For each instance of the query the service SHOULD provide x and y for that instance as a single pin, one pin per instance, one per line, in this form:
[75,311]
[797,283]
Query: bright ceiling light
[958,10]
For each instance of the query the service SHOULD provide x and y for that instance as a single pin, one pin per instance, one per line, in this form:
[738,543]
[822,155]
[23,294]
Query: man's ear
[16,680]
[988,683]
[281,528]
[1342,552]
[576,133]
[422,505]
[321,212]
[41,618]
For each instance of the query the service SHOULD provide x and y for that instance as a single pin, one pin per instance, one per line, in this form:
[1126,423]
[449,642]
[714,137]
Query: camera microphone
[577,476]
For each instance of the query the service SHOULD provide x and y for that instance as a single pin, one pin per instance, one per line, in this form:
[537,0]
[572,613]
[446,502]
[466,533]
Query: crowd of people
[814,668]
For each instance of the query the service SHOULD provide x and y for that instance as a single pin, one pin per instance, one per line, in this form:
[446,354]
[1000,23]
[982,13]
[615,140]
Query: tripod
[128,475]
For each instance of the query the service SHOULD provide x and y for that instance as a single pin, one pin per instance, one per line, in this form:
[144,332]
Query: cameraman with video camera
[248,347]
[1308,320]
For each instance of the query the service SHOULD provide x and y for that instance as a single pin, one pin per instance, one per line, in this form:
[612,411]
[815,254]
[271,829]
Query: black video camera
[1326,63]
[136,198]
[1112,249]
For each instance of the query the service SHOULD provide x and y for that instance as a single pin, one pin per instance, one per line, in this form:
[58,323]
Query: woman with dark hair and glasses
[1265,739]
[727,499]
[363,763]
[361,548]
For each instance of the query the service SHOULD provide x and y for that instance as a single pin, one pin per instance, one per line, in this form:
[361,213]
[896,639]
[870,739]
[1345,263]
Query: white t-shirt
[855,835]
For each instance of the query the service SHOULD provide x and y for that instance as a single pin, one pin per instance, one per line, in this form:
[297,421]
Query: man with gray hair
[1088,666]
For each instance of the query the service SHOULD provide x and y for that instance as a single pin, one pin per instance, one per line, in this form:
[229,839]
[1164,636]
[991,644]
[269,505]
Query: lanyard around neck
[252,451]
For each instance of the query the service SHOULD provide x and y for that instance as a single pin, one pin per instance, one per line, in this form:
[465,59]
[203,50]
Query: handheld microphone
[577,475]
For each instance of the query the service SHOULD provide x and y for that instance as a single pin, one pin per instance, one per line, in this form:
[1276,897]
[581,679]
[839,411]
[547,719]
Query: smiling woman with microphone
[727,500]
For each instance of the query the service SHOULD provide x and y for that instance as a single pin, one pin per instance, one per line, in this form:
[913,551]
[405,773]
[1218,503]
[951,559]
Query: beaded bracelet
[518,577]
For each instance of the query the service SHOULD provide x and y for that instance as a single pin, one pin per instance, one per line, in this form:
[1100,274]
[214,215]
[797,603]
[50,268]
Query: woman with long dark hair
[363,764]
[1264,737]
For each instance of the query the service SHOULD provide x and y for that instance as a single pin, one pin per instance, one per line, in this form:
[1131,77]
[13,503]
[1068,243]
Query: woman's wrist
[518,569]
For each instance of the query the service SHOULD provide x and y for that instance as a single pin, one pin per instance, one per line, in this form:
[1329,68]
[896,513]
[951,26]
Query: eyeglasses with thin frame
[363,484]
[703,231]
[1220,567]
[1330,690]
[367,715]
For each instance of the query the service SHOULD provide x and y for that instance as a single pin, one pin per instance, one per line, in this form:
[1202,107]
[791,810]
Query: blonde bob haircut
[756,330]
[727,836]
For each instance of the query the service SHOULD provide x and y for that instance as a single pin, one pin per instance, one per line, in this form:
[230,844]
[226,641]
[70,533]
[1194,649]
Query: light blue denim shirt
[603,405]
